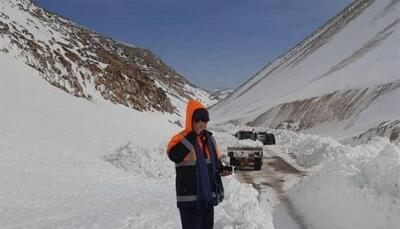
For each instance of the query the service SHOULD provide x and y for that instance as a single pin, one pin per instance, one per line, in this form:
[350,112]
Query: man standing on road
[198,169]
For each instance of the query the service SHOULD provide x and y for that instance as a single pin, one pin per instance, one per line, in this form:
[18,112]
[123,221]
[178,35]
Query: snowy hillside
[342,81]
[90,66]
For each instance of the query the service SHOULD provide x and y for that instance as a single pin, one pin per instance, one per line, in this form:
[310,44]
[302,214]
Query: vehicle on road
[266,138]
[247,151]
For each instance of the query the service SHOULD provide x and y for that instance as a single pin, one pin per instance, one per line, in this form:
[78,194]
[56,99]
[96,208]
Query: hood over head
[191,107]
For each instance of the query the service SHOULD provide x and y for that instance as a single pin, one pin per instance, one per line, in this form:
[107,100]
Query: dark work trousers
[193,218]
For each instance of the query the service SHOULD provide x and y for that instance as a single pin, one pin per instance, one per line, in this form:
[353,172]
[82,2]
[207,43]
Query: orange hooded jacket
[190,109]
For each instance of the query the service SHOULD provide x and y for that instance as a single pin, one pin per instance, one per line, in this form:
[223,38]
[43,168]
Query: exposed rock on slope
[89,65]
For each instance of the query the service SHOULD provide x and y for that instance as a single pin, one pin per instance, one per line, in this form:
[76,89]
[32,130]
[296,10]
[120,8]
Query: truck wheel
[270,139]
[273,139]
[257,163]
[232,161]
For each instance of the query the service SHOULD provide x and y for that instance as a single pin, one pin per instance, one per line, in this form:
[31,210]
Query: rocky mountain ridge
[89,65]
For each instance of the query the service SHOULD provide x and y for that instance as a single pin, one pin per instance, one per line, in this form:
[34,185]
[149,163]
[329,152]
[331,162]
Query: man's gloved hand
[226,172]
[191,137]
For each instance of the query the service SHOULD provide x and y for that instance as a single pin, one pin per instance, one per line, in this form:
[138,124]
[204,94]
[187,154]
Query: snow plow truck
[247,151]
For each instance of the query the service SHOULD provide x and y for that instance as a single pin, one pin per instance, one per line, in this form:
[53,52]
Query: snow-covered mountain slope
[52,146]
[342,81]
[89,65]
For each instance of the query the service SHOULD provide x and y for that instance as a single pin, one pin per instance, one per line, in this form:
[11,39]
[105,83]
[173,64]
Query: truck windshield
[261,135]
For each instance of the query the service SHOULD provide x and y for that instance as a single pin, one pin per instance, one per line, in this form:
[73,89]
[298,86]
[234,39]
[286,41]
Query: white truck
[247,151]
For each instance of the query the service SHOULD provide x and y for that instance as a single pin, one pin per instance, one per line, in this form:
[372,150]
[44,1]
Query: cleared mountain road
[271,180]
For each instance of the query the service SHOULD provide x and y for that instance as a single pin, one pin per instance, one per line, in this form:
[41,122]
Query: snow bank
[309,150]
[148,161]
[241,209]
[351,187]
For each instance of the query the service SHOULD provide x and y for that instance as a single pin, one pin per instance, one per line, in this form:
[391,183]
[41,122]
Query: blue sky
[213,43]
